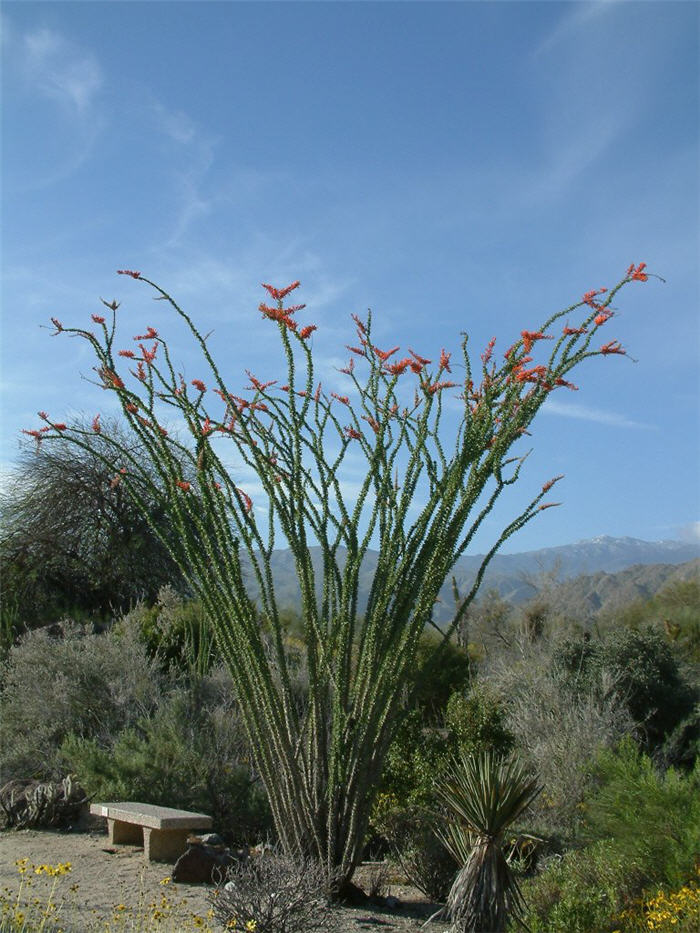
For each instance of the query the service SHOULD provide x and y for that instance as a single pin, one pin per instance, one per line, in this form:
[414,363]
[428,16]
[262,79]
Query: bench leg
[124,833]
[164,845]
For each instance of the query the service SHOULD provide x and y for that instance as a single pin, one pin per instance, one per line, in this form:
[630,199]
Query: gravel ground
[113,888]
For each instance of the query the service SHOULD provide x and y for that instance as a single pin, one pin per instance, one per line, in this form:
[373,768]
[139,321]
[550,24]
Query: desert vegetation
[488,758]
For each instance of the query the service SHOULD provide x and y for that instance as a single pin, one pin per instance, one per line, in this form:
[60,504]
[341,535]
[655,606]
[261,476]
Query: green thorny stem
[320,761]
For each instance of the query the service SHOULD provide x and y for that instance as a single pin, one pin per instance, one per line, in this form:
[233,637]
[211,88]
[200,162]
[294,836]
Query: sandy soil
[114,888]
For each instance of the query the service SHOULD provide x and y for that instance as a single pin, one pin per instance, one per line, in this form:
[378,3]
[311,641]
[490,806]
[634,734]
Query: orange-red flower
[134,275]
[150,334]
[307,331]
[279,293]
[589,297]
[245,498]
[396,369]
[612,347]
[127,353]
[384,354]
[256,384]
[567,385]
[419,359]
[530,336]
[445,360]
[96,424]
[183,484]
[602,317]
[569,331]
[548,485]
[638,274]
[353,434]
[199,385]
[341,398]
[98,319]
[486,355]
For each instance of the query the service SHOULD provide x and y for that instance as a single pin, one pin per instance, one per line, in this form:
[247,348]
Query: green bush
[653,817]
[404,811]
[68,679]
[191,753]
[645,832]
[646,674]
[175,631]
[584,892]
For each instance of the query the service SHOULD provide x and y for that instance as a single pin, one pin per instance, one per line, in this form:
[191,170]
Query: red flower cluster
[486,355]
[307,331]
[183,484]
[280,293]
[569,331]
[341,398]
[353,434]
[150,334]
[589,297]
[199,385]
[530,336]
[256,384]
[384,354]
[134,275]
[638,274]
[98,319]
[612,347]
[96,425]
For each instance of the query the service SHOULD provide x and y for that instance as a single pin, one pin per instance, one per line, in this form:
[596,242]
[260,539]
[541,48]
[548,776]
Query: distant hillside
[586,595]
[590,569]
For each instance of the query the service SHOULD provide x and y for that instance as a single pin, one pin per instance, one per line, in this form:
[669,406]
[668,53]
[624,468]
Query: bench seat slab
[162,831]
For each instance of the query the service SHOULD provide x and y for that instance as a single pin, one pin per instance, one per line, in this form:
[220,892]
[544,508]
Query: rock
[203,863]
[350,894]
[207,839]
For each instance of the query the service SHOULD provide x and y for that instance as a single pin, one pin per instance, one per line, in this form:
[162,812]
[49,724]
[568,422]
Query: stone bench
[162,831]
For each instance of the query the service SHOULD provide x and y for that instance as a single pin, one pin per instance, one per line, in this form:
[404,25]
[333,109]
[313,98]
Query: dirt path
[113,888]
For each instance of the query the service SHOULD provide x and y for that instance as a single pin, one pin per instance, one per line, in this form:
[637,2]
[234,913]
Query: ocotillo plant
[320,763]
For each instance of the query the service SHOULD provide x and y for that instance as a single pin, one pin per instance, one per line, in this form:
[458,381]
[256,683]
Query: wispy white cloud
[598,415]
[580,14]
[60,70]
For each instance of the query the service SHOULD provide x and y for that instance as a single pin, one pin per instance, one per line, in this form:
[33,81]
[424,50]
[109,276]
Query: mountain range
[595,564]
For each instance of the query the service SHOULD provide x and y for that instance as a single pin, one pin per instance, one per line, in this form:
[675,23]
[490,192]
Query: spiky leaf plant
[483,795]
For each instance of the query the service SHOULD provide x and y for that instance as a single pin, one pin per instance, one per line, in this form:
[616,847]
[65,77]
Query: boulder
[205,863]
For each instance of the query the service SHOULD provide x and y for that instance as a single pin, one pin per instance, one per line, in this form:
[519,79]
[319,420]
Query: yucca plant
[483,795]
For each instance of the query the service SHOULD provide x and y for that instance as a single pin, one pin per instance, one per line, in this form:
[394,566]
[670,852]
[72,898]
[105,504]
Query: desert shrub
[404,812]
[409,831]
[72,541]
[557,732]
[675,606]
[645,828]
[273,894]
[653,816]
[646,673]
[437,681]
[584,892]
[175,631]
[65,680]
[191,752]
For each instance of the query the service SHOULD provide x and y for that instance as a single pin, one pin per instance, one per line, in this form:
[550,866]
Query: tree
[321,761]
[72,538]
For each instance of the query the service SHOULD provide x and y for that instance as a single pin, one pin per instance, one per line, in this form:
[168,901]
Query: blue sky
[456,166]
